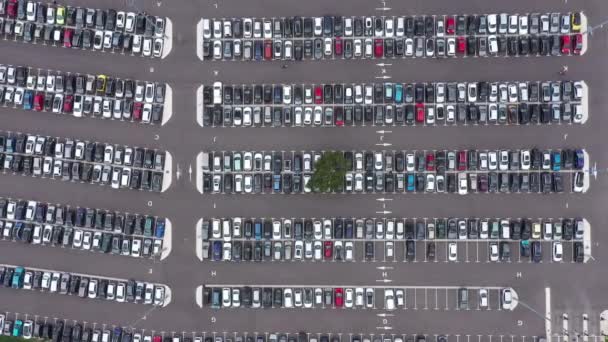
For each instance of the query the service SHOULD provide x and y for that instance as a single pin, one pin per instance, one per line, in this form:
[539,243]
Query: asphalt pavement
[575,288]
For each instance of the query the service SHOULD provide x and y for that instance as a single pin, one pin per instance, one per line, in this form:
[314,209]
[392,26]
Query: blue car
[217,250]
[159,232]
[411,182]
[258,231]
[276,184]
[579,160]
[556,161]
[398,93]
[28,99]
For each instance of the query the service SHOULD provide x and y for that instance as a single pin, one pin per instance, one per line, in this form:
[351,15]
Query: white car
[389,299]
[483,298]
[130,22]
[462,183]
[147,47]
[494,251]
[453,251]
[558,251]
[506,299]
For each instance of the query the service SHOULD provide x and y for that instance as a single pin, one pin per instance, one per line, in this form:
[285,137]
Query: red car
[339,297]
[461,45]
[328,248]
[11,9]
[267,50]
[67,38]
[420,112]
[319,95]
[430,162]
[157,338]
[378,48]
[566,45]
[577,44]
[39,102]
[338,46]
[449,25]
[462,161]
[137,108]
[68,104]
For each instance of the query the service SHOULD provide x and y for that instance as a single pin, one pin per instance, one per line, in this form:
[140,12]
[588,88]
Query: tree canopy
[329,173]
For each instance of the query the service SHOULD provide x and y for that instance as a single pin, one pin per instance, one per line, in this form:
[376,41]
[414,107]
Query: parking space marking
[445,104]
[221,45]
[167,290]
[108,39]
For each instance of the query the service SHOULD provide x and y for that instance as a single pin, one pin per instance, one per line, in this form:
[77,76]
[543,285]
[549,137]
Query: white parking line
[168,105]
[167,240]
[199,296]
[584,27]
[548,314]
[199,172]
[199,239]
[333,286]
[168,39]
[200,107]
[585,102]
[587,241]
[199,40]
[586,171]
[167,172]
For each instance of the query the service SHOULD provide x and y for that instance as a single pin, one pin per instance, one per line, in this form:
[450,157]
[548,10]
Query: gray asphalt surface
[575,288]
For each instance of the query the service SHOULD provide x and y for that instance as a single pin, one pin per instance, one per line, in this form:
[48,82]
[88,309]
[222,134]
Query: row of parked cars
[87,28]
[297,38]
[394,93]
[339,297]
[344,251]
[84,286]
[399,161]
[86,240]
[82,95]
[380,182]
[265,240]
[75,331]
[421,103]
[89,229]
[433,171]
[418,47]
[237,229]
[393,115]
[69,331]
[392,26]
[68,159]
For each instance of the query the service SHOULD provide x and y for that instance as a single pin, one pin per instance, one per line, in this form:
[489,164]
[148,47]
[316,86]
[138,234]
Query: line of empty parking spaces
[84,285]
[85,161]
[392,240]
[370,297]
[88,229]
[476,171]
[82,95]
[42,327]
[392,104]
[431,36]
[136,34]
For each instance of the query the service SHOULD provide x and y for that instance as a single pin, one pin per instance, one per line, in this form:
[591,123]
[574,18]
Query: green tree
[329,173]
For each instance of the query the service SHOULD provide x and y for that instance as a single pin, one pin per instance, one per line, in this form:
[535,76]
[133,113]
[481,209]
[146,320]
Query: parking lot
[438,171]
[338,105]
[348,297]
[431,36]
[392,240]
[510,119]
[64,93]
